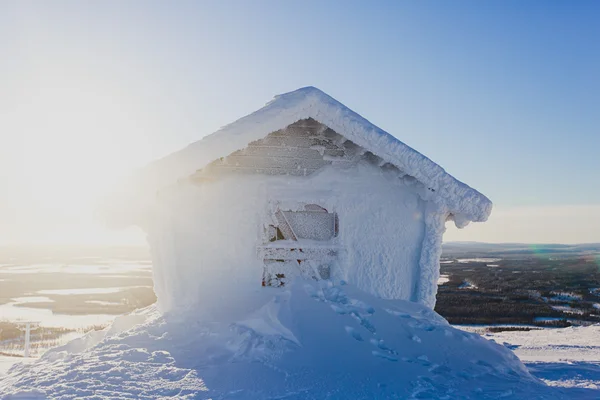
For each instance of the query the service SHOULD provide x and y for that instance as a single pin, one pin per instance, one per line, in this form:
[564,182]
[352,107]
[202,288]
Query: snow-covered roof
[310,102]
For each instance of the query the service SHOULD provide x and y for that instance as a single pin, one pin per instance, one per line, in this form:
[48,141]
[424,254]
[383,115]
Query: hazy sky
[505,95]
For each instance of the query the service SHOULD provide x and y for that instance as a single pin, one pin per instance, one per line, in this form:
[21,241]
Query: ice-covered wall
[431,251]
[392,201]
[204,237]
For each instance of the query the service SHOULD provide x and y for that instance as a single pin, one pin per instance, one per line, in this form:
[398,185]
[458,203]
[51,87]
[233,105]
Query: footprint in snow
[421,325]
[352,332]
[384,355]
[382,346]
[339,309]
[437,369]
[424,360]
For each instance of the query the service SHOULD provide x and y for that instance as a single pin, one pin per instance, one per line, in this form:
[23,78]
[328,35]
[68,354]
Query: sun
[68,138]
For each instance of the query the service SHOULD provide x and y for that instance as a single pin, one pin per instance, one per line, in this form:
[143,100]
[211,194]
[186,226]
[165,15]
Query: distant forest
[555,285]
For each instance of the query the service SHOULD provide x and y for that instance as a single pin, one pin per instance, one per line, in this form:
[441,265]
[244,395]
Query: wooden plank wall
[300,149]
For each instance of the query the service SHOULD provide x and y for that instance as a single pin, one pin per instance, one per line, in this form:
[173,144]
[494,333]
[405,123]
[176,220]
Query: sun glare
[72,138]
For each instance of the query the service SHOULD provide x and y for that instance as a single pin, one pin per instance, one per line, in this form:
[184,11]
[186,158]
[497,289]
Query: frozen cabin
[303,187]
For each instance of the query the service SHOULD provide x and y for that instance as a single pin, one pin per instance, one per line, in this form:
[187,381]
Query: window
[312,223]
[300,242]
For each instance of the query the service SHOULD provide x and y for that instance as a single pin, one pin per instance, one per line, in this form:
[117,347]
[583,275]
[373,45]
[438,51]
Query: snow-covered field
[311,341]
[306,342]
[443,279]
[66,296]
[567,357]
[6,362]
[478,260]
[467,285]
[15,311]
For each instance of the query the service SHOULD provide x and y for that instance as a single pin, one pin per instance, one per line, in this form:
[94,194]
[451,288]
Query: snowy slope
[568,357]
[285,109]
[6,362]
[311,341]
[580,343]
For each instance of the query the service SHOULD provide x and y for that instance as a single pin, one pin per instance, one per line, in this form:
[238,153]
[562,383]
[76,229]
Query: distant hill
[30,254]
[477,248]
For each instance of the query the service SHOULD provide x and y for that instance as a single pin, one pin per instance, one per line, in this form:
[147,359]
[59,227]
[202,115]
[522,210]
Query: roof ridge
[311,102]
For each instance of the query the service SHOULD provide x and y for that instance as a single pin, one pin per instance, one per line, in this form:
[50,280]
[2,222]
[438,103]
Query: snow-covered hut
[302,187]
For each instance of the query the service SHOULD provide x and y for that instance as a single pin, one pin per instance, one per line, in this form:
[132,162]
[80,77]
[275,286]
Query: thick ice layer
[206,237]
[311,341]
[461,200]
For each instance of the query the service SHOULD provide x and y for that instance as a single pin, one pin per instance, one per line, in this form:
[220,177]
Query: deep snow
[564,357]
[313,340]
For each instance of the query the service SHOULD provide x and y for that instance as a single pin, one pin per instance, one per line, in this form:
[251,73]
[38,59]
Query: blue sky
[503,94]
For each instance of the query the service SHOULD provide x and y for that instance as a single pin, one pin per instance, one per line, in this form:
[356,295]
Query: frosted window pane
[312,225]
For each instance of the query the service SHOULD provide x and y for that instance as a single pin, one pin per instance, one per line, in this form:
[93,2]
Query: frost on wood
[299,242]
[431,252]
[285,110]
[312,225]
[353,203]
[221,231]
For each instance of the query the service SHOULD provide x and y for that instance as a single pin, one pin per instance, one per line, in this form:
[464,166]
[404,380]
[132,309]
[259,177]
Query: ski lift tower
[27,326]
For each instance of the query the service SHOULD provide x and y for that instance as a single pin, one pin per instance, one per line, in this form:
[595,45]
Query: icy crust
[312,341]
[429,263]
[309,102]
[213,234]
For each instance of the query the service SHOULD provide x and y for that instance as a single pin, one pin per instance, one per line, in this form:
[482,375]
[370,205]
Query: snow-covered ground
[567,357]
[14,311]
[467,285]
[567,309]
[6,362]
[478,260]
[106,266]
[310,341]
[67,296]
[443,279]
[565,296]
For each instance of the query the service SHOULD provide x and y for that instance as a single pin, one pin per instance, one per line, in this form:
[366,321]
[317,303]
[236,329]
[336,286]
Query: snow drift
[313,340]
